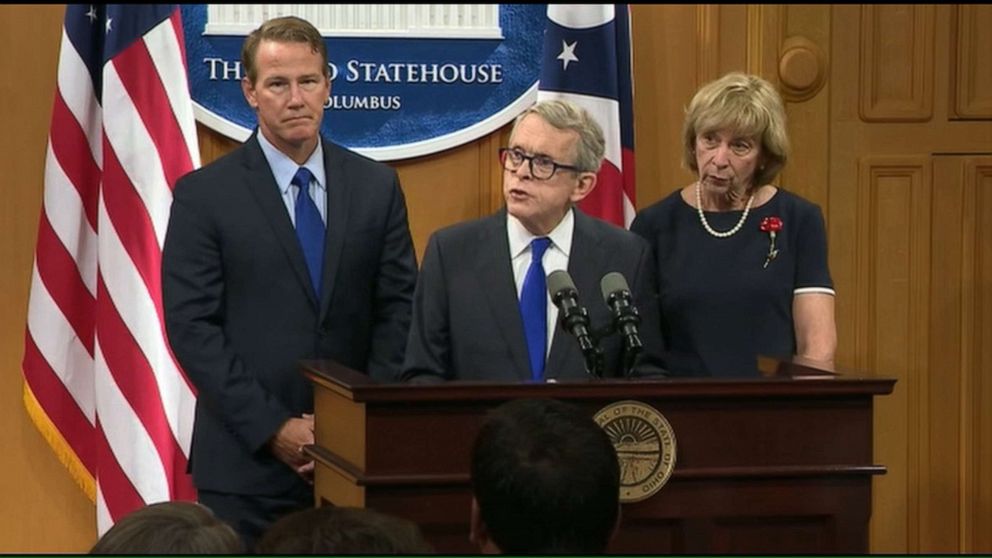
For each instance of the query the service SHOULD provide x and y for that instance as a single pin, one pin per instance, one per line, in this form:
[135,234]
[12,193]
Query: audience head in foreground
[170,528]
[337,530]
[545,479]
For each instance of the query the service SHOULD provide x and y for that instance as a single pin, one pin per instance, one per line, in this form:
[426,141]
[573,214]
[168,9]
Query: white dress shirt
[555,258]
[284,169]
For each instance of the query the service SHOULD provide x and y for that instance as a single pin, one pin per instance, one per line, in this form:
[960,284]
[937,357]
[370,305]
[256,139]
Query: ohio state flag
[586,60]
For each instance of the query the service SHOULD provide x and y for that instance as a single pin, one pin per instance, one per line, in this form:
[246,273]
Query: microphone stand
[588,344]
[632,345]
[594,359]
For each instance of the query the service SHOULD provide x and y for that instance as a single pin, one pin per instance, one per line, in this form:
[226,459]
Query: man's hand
[287,444]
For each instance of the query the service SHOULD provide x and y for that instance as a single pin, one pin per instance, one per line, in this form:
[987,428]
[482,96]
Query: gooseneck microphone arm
[575,319]
[617,295]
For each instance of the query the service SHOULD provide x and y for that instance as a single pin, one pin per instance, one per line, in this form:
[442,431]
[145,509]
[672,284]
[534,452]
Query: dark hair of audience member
[546,479]
[170,528]
[342,530]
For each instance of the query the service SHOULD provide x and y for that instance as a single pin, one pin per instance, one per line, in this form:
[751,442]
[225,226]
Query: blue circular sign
[408,82]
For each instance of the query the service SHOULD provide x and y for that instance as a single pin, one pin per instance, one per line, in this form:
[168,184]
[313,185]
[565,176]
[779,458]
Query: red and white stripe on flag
[587,60]
[101,382]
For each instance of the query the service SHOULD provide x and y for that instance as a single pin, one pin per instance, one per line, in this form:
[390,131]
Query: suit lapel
[339,187]
[264,189]
[496,278]
[583,258]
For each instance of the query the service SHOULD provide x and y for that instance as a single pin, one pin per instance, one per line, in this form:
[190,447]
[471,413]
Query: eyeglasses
[542,167]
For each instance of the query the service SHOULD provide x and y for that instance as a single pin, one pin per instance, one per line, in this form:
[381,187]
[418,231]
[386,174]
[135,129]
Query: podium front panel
[780,465]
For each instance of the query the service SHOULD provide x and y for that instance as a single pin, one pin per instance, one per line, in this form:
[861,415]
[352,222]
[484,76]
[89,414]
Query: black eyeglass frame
[504,156]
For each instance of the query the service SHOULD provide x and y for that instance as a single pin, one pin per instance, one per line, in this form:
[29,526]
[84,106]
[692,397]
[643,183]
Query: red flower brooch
[771,225]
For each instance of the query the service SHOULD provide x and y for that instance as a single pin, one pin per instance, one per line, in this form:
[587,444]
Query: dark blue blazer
[466,314]
[241,312]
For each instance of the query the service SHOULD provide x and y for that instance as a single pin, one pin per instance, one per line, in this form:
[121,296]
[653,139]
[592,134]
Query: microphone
[617,295]
[575,319]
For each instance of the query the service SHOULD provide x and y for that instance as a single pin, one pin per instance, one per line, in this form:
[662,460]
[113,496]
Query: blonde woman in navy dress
[742,263]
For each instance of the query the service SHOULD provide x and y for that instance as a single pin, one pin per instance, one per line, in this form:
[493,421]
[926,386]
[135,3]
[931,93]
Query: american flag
[587,61]
[101,382]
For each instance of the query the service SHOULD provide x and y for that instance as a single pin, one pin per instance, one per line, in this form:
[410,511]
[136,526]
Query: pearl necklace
[702,217]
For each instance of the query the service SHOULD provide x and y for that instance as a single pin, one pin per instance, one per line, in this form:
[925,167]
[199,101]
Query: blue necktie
[534,308]
[309,227]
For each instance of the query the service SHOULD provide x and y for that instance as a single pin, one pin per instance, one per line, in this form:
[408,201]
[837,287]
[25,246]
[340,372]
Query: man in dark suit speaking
[482,309]
[288,248]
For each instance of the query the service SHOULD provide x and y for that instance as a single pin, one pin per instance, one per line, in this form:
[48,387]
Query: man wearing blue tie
[288,248]
[481,309]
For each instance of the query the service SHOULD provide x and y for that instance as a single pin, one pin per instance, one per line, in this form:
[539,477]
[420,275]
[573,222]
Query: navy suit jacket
[466,314]
[241,312]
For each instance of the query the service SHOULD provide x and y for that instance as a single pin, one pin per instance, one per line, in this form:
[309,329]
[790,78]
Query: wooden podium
[776,464]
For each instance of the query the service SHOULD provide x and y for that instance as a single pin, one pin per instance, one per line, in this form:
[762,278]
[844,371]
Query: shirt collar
[284,168]
[520,238]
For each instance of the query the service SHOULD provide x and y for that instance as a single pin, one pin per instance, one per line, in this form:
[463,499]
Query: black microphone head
[560,282]
[611,284]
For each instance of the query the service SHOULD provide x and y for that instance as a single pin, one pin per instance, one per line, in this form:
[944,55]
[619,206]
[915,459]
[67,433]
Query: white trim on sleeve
[810,290]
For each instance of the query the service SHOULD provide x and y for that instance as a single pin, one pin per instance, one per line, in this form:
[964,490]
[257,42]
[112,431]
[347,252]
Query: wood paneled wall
[43,509]
[890,115]
[905,191]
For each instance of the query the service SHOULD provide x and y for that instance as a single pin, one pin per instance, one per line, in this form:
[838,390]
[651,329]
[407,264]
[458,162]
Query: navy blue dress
[720,308]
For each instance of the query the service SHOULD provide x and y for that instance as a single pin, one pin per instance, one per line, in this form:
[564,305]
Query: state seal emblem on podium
[645,444]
